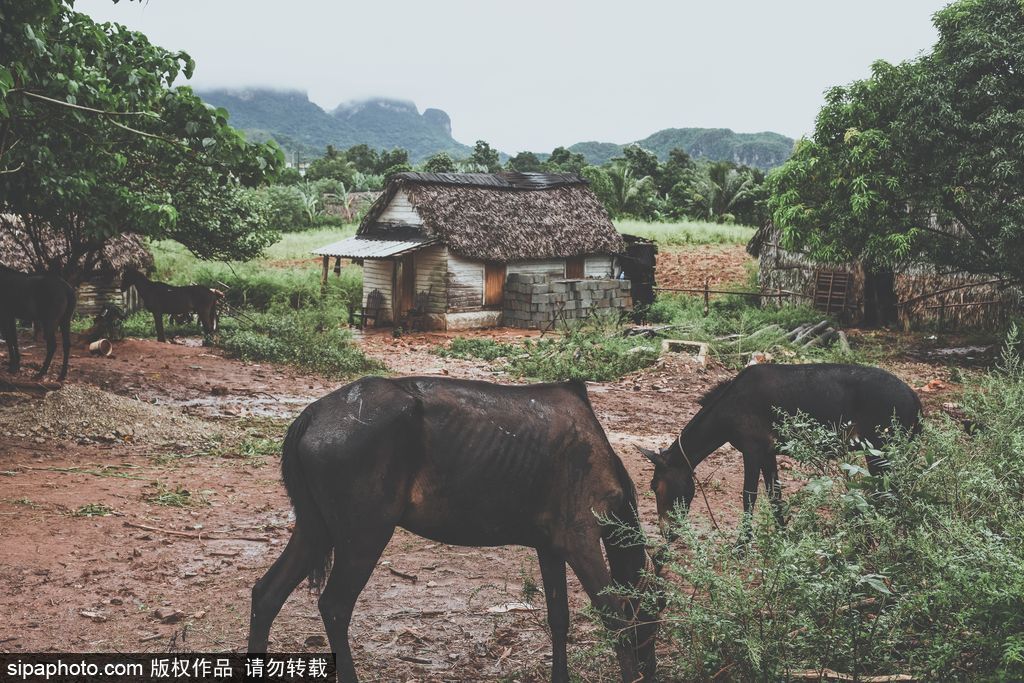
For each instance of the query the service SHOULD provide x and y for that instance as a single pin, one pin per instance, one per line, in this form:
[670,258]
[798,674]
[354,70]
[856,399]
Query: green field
[683,233]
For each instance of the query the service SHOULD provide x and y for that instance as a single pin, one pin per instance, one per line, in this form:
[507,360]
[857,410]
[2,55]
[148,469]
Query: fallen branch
[199,536]
[830,675]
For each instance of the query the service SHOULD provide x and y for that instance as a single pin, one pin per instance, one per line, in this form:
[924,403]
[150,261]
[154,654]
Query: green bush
[485,349]
[313,338]
[592,351]
[918,572]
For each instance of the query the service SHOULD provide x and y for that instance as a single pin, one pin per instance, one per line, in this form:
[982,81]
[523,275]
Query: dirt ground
[719,264]
[201,431]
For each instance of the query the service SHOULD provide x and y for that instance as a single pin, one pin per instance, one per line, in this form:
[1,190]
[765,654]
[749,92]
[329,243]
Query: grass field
[683,233]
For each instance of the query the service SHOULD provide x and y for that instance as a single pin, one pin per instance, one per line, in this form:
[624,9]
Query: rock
[316,641]
[168,615]
[95,616]
[200,614]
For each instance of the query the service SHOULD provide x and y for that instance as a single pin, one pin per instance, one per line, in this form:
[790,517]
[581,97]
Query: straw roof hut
[119,253]
[451,240]
[914,294]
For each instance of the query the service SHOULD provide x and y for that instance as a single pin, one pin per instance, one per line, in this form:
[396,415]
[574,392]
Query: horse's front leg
[158,321]
[10,330]
[50,332]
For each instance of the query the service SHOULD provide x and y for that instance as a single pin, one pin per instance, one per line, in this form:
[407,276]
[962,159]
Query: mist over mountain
[299,125]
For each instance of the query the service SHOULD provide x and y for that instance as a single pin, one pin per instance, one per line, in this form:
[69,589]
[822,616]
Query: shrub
[312,338]
[915,573]
[486,349]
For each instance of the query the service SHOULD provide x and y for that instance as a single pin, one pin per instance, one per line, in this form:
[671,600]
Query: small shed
[914,295]
[119,253]
[446,244]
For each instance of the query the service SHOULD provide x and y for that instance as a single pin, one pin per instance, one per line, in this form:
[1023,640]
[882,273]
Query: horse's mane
[714,392]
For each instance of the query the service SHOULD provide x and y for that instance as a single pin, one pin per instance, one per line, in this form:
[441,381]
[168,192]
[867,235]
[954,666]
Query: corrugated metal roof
[367,247]
[506,180]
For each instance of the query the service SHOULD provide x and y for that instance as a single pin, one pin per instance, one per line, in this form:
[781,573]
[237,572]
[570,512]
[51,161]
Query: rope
[700,484]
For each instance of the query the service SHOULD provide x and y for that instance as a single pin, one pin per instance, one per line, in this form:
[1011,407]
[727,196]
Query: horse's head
[129,278]
[672,482]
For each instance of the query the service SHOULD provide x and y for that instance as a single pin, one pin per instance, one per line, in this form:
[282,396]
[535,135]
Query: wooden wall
[430,265]
[598,266]
[549,268]
[400,211]
[378,274]
[465,284]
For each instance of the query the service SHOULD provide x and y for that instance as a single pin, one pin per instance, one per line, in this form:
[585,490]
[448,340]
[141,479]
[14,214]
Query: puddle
[234,406]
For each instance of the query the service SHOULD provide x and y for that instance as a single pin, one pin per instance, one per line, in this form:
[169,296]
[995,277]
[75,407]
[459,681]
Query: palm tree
[719,190]
[627,190]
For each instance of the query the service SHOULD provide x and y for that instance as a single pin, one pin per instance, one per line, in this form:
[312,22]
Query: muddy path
[133,543]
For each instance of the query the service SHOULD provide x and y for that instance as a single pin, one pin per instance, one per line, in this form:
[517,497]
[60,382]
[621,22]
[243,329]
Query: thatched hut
[102,286]
[915,295]
[448,244]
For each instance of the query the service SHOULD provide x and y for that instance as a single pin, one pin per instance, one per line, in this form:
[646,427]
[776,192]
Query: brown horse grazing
[467,463]
[46,299]
[160,298]
[743,411]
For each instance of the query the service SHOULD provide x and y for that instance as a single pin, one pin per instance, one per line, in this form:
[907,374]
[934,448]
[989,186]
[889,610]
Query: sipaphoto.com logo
[63,669]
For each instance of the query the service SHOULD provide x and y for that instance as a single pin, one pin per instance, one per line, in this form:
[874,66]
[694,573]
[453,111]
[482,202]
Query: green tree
[392,160]
[364,158]
[95,140]
[924,159]
[564,161]
[628,195]
[485,157]
[525,162]
[439,163]
[337,168]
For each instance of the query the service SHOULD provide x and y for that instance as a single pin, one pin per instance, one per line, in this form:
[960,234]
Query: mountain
[300,125]
[760,150]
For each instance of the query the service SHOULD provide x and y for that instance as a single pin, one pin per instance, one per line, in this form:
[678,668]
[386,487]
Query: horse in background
[160,298]
[46,299]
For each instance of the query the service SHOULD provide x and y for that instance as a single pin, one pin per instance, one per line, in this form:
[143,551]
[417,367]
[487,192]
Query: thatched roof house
[120,253]
[451,240]
[915,295]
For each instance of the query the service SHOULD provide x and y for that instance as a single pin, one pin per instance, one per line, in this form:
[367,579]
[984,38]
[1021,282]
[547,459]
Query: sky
[535,74]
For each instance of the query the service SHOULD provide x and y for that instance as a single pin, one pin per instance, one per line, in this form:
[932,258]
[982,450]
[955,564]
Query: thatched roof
[121,252]
[502,216]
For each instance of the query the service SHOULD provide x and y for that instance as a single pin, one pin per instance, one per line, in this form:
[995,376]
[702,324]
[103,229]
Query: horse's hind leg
[65,336]
[770,473]
[51,347]
[268,595]
[356,552]
[552,570]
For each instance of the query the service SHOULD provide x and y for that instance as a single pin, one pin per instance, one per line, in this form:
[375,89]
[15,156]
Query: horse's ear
[654,456]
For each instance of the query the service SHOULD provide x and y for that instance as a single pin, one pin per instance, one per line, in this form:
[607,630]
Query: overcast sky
[537,74]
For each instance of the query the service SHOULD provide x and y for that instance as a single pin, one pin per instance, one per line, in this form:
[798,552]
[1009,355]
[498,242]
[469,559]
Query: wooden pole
[707,298]
[323,275]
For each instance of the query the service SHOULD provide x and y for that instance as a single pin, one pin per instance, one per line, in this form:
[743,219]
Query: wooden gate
[404,286]
[831,289]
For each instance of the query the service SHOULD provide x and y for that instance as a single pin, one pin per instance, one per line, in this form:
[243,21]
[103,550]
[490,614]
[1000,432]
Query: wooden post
[707,298]
[323,276]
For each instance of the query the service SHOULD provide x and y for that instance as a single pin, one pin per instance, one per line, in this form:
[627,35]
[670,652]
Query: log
[844,343]
[820,340]
[32,387]
[797,330]
[812,331]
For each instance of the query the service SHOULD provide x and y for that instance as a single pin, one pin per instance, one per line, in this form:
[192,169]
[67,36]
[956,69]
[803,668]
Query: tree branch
[84,108]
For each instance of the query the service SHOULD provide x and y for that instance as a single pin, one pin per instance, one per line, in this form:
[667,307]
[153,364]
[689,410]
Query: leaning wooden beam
[323,275]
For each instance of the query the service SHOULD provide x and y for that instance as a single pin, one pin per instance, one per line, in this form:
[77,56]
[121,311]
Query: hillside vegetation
[759,150]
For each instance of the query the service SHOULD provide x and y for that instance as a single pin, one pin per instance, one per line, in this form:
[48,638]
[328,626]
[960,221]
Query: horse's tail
[307,515]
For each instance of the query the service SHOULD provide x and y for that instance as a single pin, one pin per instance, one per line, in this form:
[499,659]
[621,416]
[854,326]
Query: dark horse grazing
[467,463]
[160,298]
[742,411]
[46,299]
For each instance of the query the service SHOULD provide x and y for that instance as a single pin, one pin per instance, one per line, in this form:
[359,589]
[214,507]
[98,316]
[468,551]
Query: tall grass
[918,573]
[685,233]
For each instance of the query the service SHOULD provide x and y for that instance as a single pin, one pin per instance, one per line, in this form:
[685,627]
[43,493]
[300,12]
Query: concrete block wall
[532,301]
